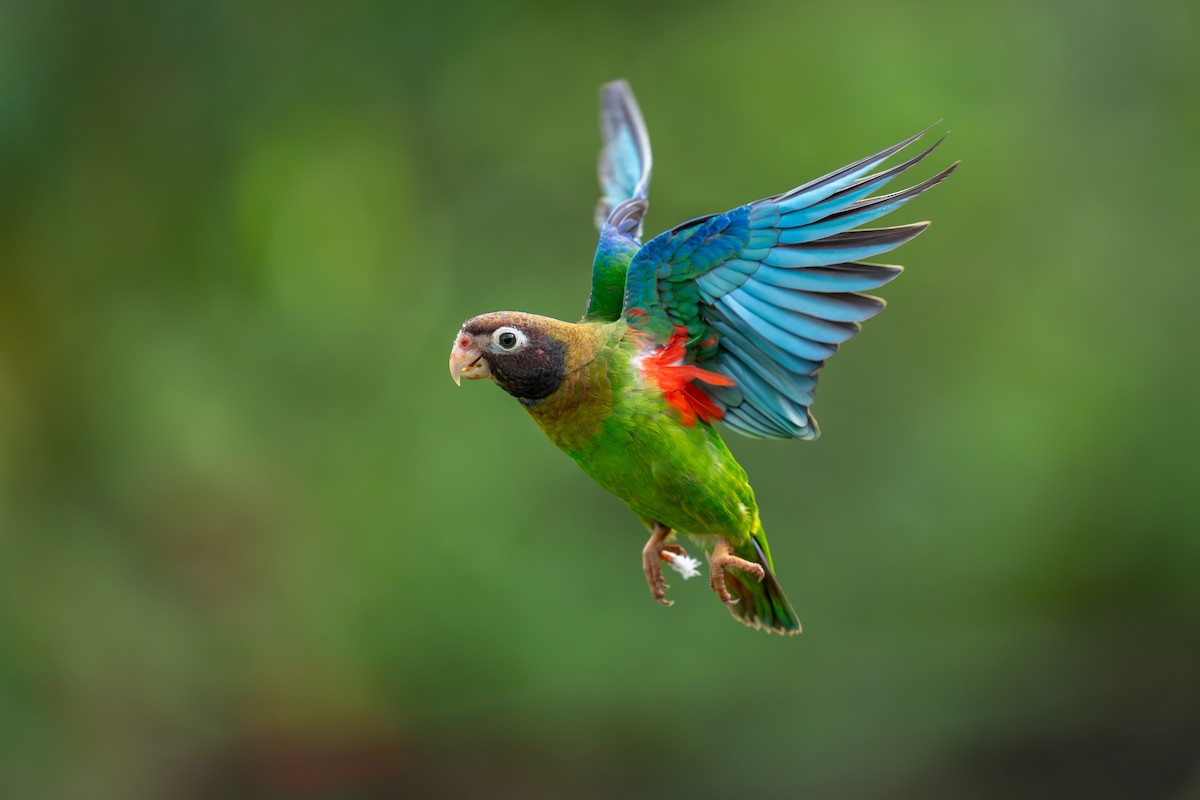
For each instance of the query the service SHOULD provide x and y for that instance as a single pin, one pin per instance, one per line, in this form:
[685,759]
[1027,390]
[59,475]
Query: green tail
[761,605]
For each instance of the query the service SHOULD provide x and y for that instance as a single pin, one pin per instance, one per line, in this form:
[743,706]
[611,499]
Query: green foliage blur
[255,544]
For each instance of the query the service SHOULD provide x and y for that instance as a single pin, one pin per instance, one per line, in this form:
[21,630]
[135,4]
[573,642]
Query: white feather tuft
[686,566]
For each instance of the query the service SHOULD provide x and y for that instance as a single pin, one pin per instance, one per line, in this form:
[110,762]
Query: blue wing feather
[834,278]
[625,159]
[777,282]
[624,172]
[830,306]
[817,190]
[778,336]
[797,387]
[736,337]
[767,302]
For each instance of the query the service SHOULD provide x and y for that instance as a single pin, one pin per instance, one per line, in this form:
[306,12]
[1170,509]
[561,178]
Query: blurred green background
[255,544]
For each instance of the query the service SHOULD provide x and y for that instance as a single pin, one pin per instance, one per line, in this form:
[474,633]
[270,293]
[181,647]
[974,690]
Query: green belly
[683,477]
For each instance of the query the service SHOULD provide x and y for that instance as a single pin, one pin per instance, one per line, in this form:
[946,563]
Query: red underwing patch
[677,380]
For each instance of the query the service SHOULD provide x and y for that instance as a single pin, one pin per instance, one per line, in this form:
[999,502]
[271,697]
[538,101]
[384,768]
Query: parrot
[727,318]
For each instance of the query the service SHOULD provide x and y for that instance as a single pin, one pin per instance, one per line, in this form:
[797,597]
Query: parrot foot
[722,558]
[653,555]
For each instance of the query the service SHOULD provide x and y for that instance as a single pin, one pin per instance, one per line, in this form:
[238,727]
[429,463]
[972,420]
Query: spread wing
[624,169]
[768,291]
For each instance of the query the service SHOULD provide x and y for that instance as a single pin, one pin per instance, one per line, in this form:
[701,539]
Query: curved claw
[722,558]
[653,556]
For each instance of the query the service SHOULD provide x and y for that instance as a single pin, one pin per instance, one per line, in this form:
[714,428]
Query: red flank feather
[666,369]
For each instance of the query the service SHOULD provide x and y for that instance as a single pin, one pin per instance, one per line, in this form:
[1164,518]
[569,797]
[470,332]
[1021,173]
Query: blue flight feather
[830,306]
[624,173]
[784,339]
[768,291]
[821,328]
[834,278]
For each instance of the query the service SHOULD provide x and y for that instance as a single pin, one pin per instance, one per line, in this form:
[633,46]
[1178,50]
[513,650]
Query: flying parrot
[728,317]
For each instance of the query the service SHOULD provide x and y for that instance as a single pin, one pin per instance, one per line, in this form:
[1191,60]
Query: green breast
[625,436]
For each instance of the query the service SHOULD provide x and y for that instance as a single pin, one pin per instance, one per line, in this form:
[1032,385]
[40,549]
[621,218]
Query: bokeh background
[255,544]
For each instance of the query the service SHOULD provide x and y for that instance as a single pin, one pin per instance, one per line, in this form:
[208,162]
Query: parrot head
[520,352]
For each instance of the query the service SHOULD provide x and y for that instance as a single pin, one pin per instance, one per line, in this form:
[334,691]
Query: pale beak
[466,361]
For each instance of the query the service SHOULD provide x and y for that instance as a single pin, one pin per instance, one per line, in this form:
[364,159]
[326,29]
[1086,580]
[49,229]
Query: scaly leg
[722,558]
[653,556]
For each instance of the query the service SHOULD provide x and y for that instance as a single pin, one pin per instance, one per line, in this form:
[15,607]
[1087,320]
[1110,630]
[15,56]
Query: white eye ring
[508,338]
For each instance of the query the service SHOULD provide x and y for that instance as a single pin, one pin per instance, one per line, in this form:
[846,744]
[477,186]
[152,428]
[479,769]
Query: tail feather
[760,605]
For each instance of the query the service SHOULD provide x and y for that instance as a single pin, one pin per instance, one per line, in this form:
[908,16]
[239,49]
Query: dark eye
[508,338]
